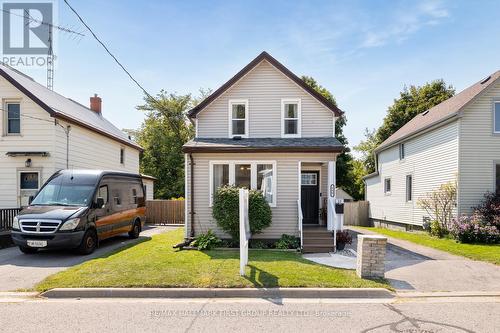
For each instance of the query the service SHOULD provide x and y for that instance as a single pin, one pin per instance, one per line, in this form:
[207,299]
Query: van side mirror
[30,199]
[99,203]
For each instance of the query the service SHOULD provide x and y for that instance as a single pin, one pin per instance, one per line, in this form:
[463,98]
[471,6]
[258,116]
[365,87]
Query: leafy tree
[411,102]
[356,172]
[162,135]
[344,179]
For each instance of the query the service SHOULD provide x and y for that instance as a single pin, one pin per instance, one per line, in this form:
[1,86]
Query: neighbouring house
[340,193]
[43,132]
[149,183]
[455,141]
[265,129]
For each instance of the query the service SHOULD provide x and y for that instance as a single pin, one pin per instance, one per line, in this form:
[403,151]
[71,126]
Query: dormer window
[290,118]
[238,115]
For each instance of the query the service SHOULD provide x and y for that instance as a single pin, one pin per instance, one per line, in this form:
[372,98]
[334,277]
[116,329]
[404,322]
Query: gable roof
[264,56]
[64,108]
[441,112]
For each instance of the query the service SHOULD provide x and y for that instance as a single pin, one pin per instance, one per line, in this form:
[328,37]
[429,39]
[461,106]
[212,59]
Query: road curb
[444,294]
[373,293]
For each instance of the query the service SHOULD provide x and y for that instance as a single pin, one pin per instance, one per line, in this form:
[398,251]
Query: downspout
[191,192]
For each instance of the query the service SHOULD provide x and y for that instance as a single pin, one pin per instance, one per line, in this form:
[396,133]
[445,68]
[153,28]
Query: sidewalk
[416,268]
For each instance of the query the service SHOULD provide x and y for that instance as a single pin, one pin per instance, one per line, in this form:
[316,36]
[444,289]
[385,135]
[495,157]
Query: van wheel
[136,230]
[89,242]
[27,250]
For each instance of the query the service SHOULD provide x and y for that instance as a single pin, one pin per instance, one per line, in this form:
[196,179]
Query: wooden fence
[356,213]
[6,217]
[165,211]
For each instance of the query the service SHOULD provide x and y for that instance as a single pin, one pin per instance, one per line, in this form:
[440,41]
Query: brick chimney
[96,104]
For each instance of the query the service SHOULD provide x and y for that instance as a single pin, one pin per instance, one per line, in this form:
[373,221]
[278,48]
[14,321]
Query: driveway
[412,267]
[21,271]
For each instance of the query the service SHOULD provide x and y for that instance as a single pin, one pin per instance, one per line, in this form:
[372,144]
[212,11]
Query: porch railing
[299,207]
[7,217]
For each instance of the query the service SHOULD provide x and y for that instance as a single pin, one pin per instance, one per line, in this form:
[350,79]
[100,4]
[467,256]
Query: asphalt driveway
[412,267]
[21,271]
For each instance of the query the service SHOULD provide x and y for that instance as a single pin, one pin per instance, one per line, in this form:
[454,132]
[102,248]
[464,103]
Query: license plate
[37,243]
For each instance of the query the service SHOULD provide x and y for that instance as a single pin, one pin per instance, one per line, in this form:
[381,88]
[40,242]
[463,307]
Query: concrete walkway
[21,271]
[412,267]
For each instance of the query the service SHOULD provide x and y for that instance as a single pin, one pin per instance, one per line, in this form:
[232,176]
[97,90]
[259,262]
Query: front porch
[316,206]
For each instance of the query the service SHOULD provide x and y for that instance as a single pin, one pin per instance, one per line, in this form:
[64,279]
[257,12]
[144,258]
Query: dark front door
[310,197]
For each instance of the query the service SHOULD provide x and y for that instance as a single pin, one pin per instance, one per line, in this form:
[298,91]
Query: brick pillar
[371,256]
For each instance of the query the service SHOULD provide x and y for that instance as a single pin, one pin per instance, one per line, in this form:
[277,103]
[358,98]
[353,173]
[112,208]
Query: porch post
[331,196]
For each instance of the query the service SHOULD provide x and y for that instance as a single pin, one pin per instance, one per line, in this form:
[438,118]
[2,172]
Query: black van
[75,209]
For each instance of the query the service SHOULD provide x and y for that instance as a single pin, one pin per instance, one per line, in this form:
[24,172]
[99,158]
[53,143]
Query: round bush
[225,211]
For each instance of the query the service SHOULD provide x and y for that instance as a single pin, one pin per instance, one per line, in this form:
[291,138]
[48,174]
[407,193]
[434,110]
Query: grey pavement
[249,315]
[21,271]
[412,267]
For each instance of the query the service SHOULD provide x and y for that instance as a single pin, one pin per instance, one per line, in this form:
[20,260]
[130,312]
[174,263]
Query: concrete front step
[317,249]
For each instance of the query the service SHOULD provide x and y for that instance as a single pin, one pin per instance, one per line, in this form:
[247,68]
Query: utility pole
[50,62]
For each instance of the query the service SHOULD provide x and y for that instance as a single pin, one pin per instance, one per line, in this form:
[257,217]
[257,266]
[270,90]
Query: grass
[482,252]
[154,263]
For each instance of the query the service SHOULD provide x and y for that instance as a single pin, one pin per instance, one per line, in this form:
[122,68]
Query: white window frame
[6,102]
[402,151]
[406,188]
[495,102]
[230,118]
[253,176]
[297,101]
[385,187]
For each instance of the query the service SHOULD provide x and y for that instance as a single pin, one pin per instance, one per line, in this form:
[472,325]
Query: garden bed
[154,263]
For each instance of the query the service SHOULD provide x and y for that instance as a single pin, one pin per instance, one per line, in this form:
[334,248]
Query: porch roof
[303,145]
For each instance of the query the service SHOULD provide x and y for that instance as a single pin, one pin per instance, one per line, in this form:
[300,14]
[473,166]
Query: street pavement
[22,271]
[411,267]
[478,314]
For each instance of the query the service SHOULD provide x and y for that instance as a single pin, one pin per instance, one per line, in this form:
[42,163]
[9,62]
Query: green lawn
[154,263]
[489,253]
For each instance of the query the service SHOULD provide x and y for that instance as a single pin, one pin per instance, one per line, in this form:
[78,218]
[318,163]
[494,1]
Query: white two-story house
[42,132]
[264,129]
[455,141]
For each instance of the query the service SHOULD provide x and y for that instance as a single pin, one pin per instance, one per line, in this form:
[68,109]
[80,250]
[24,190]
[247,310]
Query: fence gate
[165,211]
[356,213]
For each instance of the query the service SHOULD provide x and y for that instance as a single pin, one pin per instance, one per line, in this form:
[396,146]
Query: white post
[331,196]
[244,230]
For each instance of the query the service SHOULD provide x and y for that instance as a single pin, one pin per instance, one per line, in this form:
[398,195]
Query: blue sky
[364,52]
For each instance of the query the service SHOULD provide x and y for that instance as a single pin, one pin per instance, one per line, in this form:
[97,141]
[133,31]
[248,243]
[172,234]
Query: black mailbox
[339,208]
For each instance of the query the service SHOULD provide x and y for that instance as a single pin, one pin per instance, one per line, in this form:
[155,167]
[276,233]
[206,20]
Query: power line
[108,51]
[30,117]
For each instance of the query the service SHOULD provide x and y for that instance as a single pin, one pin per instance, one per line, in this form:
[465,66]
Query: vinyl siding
[432,159]
[149,188]
[285,218]
[89,150]
[264,87]
[479,149]
[37,134]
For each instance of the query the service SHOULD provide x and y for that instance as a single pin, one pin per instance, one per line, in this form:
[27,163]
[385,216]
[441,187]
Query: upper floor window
[290,118]
[496,117]
[402,151]
[238,118]
[13,118]
[387,186]
[122,155]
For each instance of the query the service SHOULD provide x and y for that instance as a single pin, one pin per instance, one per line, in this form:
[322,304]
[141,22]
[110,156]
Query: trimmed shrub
[474,229]
[287,242]
[225,211]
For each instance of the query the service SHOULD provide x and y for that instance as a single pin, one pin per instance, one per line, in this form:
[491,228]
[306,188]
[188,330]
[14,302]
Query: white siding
[264,87]
[89,150]
[149,188]
[432,159]
[479,149]
[37,134]
[284,214]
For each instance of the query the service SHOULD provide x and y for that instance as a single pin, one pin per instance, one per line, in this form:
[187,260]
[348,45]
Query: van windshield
[67,189]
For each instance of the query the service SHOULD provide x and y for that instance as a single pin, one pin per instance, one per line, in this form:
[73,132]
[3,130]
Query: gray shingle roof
[323,144]
[441,112]
[61,107]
